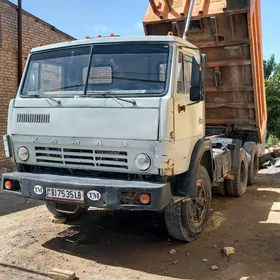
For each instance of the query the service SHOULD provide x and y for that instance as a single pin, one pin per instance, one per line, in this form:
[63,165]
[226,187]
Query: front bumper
[111,190]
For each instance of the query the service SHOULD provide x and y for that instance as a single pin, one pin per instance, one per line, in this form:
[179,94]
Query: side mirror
[195,94]
[198,77]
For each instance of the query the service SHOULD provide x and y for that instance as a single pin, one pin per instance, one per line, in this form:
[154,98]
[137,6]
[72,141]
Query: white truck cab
[119,123]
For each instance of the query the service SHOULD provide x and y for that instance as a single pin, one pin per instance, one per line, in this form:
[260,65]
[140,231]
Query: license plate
[65,194]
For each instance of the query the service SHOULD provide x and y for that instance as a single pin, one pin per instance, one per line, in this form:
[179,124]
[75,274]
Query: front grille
[33,118]
[79,158]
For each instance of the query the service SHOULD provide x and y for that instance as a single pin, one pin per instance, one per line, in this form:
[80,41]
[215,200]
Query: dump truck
[150,123]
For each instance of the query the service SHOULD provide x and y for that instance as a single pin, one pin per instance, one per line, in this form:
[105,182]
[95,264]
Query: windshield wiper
[71,86]
[38,95]
[110,94]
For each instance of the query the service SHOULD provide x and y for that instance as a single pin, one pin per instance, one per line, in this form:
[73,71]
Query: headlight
[142,162]
[23,153]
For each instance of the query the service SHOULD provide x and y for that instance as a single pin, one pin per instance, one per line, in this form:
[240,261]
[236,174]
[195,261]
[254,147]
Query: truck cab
[105,122]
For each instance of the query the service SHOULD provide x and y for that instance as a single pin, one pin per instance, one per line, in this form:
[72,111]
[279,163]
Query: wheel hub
[199,204]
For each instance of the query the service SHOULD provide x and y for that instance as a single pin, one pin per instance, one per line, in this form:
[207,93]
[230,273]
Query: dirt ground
[109,246]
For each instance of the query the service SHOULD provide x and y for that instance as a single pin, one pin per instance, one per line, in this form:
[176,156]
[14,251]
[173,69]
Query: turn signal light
[112,35]
[41,44]
[145,198]
[170,33]
[99,36]
[87,37]
[8,185]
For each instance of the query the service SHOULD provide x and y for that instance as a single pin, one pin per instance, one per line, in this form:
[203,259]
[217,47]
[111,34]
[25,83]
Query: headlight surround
[143,162]
[23,153]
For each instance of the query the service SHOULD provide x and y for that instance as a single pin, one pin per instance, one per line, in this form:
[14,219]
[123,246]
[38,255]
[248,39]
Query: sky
[80,18]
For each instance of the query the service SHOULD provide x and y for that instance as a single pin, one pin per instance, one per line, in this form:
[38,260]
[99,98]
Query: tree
[269,66]
[272,85]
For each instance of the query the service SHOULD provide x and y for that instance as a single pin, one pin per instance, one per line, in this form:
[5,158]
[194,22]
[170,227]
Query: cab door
[189,117]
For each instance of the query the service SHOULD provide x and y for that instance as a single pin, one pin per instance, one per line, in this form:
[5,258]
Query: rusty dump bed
[229,33]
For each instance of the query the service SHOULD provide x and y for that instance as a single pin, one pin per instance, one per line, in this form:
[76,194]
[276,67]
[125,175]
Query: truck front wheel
[185,219]
[63,210]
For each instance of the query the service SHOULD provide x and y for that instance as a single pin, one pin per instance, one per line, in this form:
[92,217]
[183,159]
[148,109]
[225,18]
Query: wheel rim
[199,205]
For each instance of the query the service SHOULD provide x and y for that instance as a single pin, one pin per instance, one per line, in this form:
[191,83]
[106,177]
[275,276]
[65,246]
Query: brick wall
[34,32]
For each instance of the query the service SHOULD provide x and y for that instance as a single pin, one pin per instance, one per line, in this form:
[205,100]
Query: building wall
[34,32]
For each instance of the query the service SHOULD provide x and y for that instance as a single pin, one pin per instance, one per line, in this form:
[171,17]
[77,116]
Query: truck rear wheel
[63,210]
[251,149]
[237,187]
[186,219]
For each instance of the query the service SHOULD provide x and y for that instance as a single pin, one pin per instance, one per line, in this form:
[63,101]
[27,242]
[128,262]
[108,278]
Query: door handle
[181,108]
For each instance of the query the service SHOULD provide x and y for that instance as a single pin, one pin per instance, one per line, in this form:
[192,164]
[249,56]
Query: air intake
[33,118]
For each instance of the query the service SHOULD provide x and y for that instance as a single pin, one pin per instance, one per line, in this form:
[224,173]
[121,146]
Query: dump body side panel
[229,33]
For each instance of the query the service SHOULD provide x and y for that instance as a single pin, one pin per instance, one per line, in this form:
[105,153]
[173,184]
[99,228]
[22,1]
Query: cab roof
[116,39]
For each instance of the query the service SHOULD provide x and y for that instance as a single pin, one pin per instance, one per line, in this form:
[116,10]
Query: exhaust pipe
[188,19]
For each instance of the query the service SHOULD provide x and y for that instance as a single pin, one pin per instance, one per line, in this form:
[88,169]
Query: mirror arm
[183,107]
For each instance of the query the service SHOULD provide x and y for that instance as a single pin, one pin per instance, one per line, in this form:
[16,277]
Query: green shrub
[272,141]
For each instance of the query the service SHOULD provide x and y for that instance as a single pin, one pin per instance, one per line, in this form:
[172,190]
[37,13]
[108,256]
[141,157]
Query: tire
[180,217]
[238,186]
[251,149]
[74,211]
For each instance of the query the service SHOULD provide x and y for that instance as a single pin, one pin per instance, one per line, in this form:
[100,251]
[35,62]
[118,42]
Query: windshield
[127,68]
